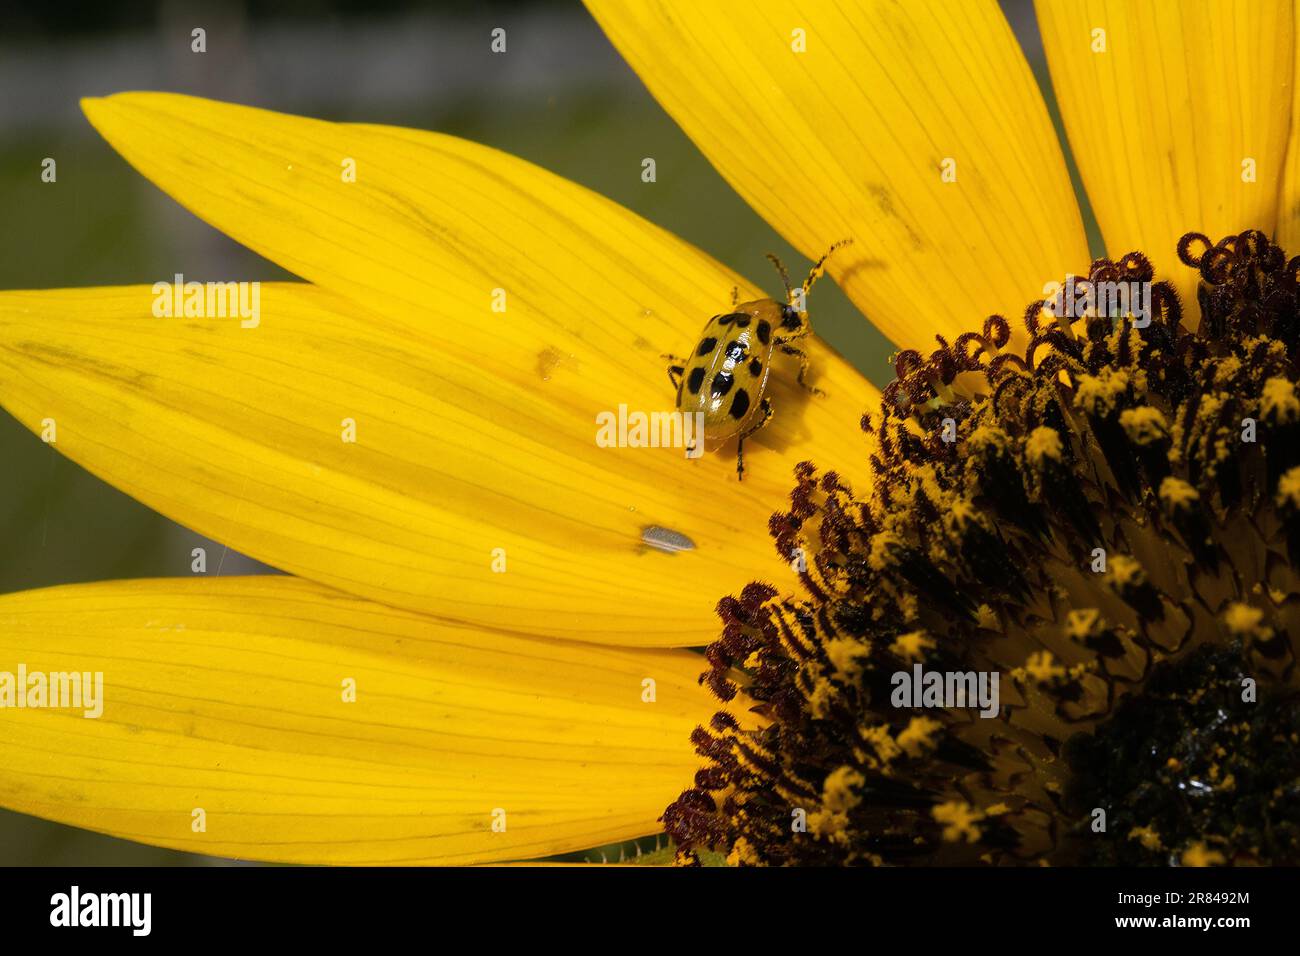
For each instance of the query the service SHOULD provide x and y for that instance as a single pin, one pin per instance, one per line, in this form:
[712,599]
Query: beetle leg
[766,407]
[676,369]
[799,353]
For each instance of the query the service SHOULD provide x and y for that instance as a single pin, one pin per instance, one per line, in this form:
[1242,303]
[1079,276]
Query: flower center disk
[1108,523]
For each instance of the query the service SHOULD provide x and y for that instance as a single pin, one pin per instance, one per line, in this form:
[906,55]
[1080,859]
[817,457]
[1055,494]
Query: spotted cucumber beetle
[734,356]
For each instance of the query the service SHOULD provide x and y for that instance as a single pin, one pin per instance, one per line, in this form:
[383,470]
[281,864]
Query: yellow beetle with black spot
[726,375]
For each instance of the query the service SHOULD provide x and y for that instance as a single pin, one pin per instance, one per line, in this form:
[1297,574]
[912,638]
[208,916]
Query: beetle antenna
[819,267]
[785,276]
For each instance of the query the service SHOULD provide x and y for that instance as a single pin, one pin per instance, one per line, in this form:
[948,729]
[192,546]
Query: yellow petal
[464,495]
[228,697]
[1288,213]
[498,433]
[1180,123]
[852,137]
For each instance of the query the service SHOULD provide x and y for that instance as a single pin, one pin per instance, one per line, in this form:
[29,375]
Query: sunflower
[479,651]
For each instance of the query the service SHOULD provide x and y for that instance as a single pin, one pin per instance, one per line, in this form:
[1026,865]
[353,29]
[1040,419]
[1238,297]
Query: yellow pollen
[1123,571]
[831,825]
[878,737]
[845,656]
[986,438]
[1098,394]
[961,513]
[1177,495]
[911,646]
[1083,623]
[928,481]
[917,738]
[1288,491]
[1042,667]
[1226,371]
[959,821]
[1144,425]
[1042,445]
[743,854]
[1149,837]
[1211,405]
[840,791]
[1279,403]
[909,605]
[882,545]
[1244,621]
[1198,854]
[821,698]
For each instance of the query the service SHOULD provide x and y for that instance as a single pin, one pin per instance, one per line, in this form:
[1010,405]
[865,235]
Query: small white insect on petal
[666,539]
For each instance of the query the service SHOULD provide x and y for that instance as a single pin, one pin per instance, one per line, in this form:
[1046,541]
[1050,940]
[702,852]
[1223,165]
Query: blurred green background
[560,97]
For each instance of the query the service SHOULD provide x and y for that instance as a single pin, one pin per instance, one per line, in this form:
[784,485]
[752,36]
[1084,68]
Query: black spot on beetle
[722,383]
[742,320]
[730,317]
[739,404]
[706,345]
[736,352]
[764,331]
[755,367]
[695,379]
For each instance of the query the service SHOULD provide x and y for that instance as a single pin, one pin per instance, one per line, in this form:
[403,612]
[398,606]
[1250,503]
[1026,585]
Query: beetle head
[792,320]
